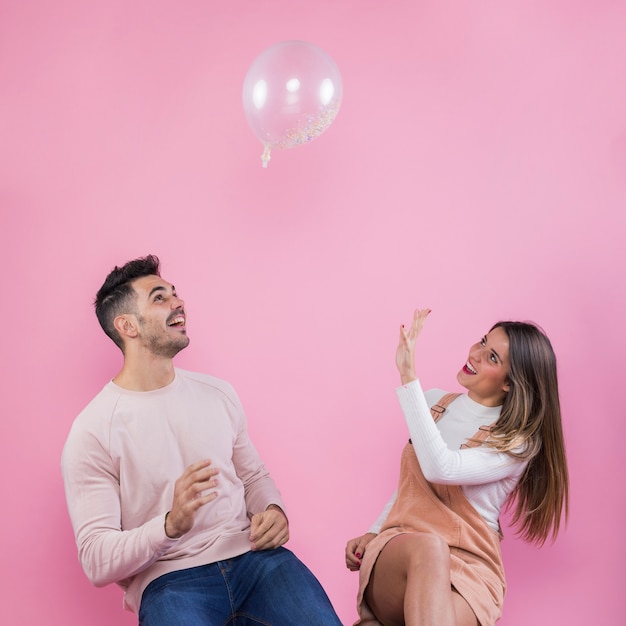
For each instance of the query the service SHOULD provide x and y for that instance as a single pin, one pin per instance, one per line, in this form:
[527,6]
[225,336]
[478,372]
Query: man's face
[161,318]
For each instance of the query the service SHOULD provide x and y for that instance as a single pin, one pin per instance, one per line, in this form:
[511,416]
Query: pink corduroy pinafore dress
[476,570]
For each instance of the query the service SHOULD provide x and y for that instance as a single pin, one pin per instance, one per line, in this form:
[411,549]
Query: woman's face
[485,375]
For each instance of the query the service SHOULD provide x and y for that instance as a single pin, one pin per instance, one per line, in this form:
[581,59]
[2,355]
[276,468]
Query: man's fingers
[261,525]
[198,488]
[205,499]
[198,466]
[268,530]
[197,478]
[271,539]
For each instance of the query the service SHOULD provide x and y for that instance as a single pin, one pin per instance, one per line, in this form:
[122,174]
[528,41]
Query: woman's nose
[476,351]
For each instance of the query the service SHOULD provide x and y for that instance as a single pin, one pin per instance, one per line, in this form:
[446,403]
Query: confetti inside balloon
[291,95]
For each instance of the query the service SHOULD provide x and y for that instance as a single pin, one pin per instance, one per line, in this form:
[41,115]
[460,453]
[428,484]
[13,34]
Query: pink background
[477,166]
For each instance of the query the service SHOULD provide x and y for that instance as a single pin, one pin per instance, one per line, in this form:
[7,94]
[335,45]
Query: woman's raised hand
[405,353]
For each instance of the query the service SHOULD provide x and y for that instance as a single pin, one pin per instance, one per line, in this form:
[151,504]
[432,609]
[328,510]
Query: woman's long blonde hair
[530,427]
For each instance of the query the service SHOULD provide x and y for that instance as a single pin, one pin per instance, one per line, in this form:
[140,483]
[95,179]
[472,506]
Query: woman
[433,556]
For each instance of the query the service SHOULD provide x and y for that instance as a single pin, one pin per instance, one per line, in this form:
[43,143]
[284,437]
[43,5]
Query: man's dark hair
[117,296]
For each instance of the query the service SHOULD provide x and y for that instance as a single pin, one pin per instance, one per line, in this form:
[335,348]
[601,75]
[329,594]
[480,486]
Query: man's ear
[126,325]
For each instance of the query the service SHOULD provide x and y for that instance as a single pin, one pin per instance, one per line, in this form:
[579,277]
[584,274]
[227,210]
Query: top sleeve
[260,488]
[470,466]
[380,520]
[107,553]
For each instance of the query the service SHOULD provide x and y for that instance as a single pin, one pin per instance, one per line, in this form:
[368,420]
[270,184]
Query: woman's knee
[413,552]
[433,544]
[403,562]
[425,550]
[426,546]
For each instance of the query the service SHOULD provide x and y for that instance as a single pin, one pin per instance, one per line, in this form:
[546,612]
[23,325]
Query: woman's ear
[506,387]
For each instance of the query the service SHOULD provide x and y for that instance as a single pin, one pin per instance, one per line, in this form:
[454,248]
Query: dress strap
[437,410]
[479,438]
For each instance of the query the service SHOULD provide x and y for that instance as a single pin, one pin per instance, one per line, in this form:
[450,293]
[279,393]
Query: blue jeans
[270,587]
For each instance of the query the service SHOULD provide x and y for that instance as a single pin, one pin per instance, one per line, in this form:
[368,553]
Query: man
[167,495]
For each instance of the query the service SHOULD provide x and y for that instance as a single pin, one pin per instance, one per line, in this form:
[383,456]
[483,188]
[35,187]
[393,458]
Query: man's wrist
[165,527]
[275,507]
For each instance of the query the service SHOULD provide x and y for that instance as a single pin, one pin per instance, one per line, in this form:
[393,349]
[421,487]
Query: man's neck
[145,374]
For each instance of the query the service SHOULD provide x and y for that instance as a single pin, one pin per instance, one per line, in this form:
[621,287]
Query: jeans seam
[249,617]
[230,598]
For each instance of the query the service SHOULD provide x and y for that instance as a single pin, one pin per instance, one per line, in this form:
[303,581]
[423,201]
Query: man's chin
[182,344]
[173,348]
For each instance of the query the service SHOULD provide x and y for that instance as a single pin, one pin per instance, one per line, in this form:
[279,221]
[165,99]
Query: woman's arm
[380,520]
[439,464]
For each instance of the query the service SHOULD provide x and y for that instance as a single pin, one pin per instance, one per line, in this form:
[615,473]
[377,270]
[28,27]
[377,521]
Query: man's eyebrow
[159,288]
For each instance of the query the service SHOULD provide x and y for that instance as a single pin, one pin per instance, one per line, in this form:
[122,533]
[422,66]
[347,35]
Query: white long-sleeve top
[486,476]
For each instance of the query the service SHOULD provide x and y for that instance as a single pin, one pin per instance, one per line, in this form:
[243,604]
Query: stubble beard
[164,345]
[167,349]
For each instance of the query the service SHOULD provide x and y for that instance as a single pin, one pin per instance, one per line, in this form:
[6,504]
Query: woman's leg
[410,584]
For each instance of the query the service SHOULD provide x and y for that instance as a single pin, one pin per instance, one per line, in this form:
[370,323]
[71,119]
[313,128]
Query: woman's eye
[493,358]
[482,341]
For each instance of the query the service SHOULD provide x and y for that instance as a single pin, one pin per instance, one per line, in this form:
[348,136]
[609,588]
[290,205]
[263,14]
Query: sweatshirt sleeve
[470,466]
[107,553]
[260,488]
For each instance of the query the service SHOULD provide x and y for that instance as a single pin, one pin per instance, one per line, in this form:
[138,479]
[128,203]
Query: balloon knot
[265,157]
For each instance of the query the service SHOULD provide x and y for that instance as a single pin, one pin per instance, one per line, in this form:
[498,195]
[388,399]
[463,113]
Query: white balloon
[291,95]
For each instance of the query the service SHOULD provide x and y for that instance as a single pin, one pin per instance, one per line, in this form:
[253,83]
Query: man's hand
[191,491]
[355,549]
[270,529]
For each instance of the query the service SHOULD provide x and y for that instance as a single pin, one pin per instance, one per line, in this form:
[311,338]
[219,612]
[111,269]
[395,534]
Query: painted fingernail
[358,555]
